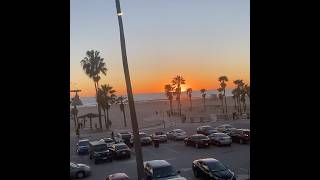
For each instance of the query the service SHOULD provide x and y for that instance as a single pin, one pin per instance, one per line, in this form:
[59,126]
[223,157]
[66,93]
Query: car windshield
[120,147]
[84,143]
[222,135]
[216,166]
[164,172]
[158,133]
[108,140]
[101,147]
[208,128]
[179,131]
[126,136]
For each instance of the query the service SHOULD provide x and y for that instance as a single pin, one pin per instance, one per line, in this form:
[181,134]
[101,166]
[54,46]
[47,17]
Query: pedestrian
[112,135]
[95,125]
[233,115]
[78,133]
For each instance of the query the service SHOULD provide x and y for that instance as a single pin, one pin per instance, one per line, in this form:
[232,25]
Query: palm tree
[220,95]
[223,80]
[203,92]
[108,98]
[239,87]
[247,90]
[189,93]
[168,89]
[93,65]
[122,100]
[234,97]
[176,82]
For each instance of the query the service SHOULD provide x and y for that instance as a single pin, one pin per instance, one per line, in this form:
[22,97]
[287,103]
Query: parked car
[220,139]
[206,130]
[109,142]
[144,139]
[83,146]
[224,128]
[240,135]
[211,168]
[120,150]
[197,140]
[123,137]
[79,170]
[228,131]
[161,170]
[99,151]
[118,176]
[160,135]
[177,134]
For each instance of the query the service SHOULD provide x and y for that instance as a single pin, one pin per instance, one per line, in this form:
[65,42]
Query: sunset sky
[200,40]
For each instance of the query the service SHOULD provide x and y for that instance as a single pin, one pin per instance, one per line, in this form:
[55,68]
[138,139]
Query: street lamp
[133,115]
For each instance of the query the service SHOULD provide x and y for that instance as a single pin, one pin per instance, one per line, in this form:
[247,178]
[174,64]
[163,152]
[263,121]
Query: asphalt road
[236,157]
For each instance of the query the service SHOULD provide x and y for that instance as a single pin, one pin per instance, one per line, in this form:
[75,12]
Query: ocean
[91,101]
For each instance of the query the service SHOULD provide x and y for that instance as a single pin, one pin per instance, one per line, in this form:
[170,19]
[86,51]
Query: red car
[197,140]
[118,176]
[240,135]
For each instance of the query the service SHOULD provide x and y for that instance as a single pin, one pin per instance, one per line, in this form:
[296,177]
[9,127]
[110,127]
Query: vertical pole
[133,115]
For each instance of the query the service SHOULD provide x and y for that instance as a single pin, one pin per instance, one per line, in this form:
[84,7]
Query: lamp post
[133,115]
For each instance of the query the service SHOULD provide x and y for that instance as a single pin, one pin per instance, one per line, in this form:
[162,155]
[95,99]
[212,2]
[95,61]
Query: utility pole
[135,128]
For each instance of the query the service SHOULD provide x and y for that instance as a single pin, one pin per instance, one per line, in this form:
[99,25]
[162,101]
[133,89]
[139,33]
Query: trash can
[156,143]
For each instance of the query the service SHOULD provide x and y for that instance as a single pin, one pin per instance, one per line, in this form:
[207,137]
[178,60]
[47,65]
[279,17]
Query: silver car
[220,139]
[79,170]
[177,134]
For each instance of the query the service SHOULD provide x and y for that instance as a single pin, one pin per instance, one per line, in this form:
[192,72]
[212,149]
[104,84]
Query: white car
[224,128]
[220,139]
[177,134]
[144,139]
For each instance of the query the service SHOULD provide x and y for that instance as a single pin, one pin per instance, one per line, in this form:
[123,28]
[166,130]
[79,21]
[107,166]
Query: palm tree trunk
[124,118]
[190,104]
[225,100]
[204,103]
[235,104]
[99,110]
[240,106]
[90,123]
[108,120]
[105,119]
[171,106]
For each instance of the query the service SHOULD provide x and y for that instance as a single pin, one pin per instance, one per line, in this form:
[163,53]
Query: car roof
[83,140]
[158,163]
[95,143]
[206,160]
[177,130]
[118,176]
[225,125]
[219,133]
[244,129]
[206,126]
[120,144]
[194,135]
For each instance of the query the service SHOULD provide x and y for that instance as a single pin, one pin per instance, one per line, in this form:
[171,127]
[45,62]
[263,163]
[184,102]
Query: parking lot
[236,156]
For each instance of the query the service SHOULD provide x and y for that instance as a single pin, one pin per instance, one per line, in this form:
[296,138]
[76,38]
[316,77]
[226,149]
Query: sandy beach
[146,112]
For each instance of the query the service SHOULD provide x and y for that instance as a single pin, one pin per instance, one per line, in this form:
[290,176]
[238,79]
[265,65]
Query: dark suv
[99,151]
[160,169]
[120,150]
[240,135]
[197,140]
[206,130]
